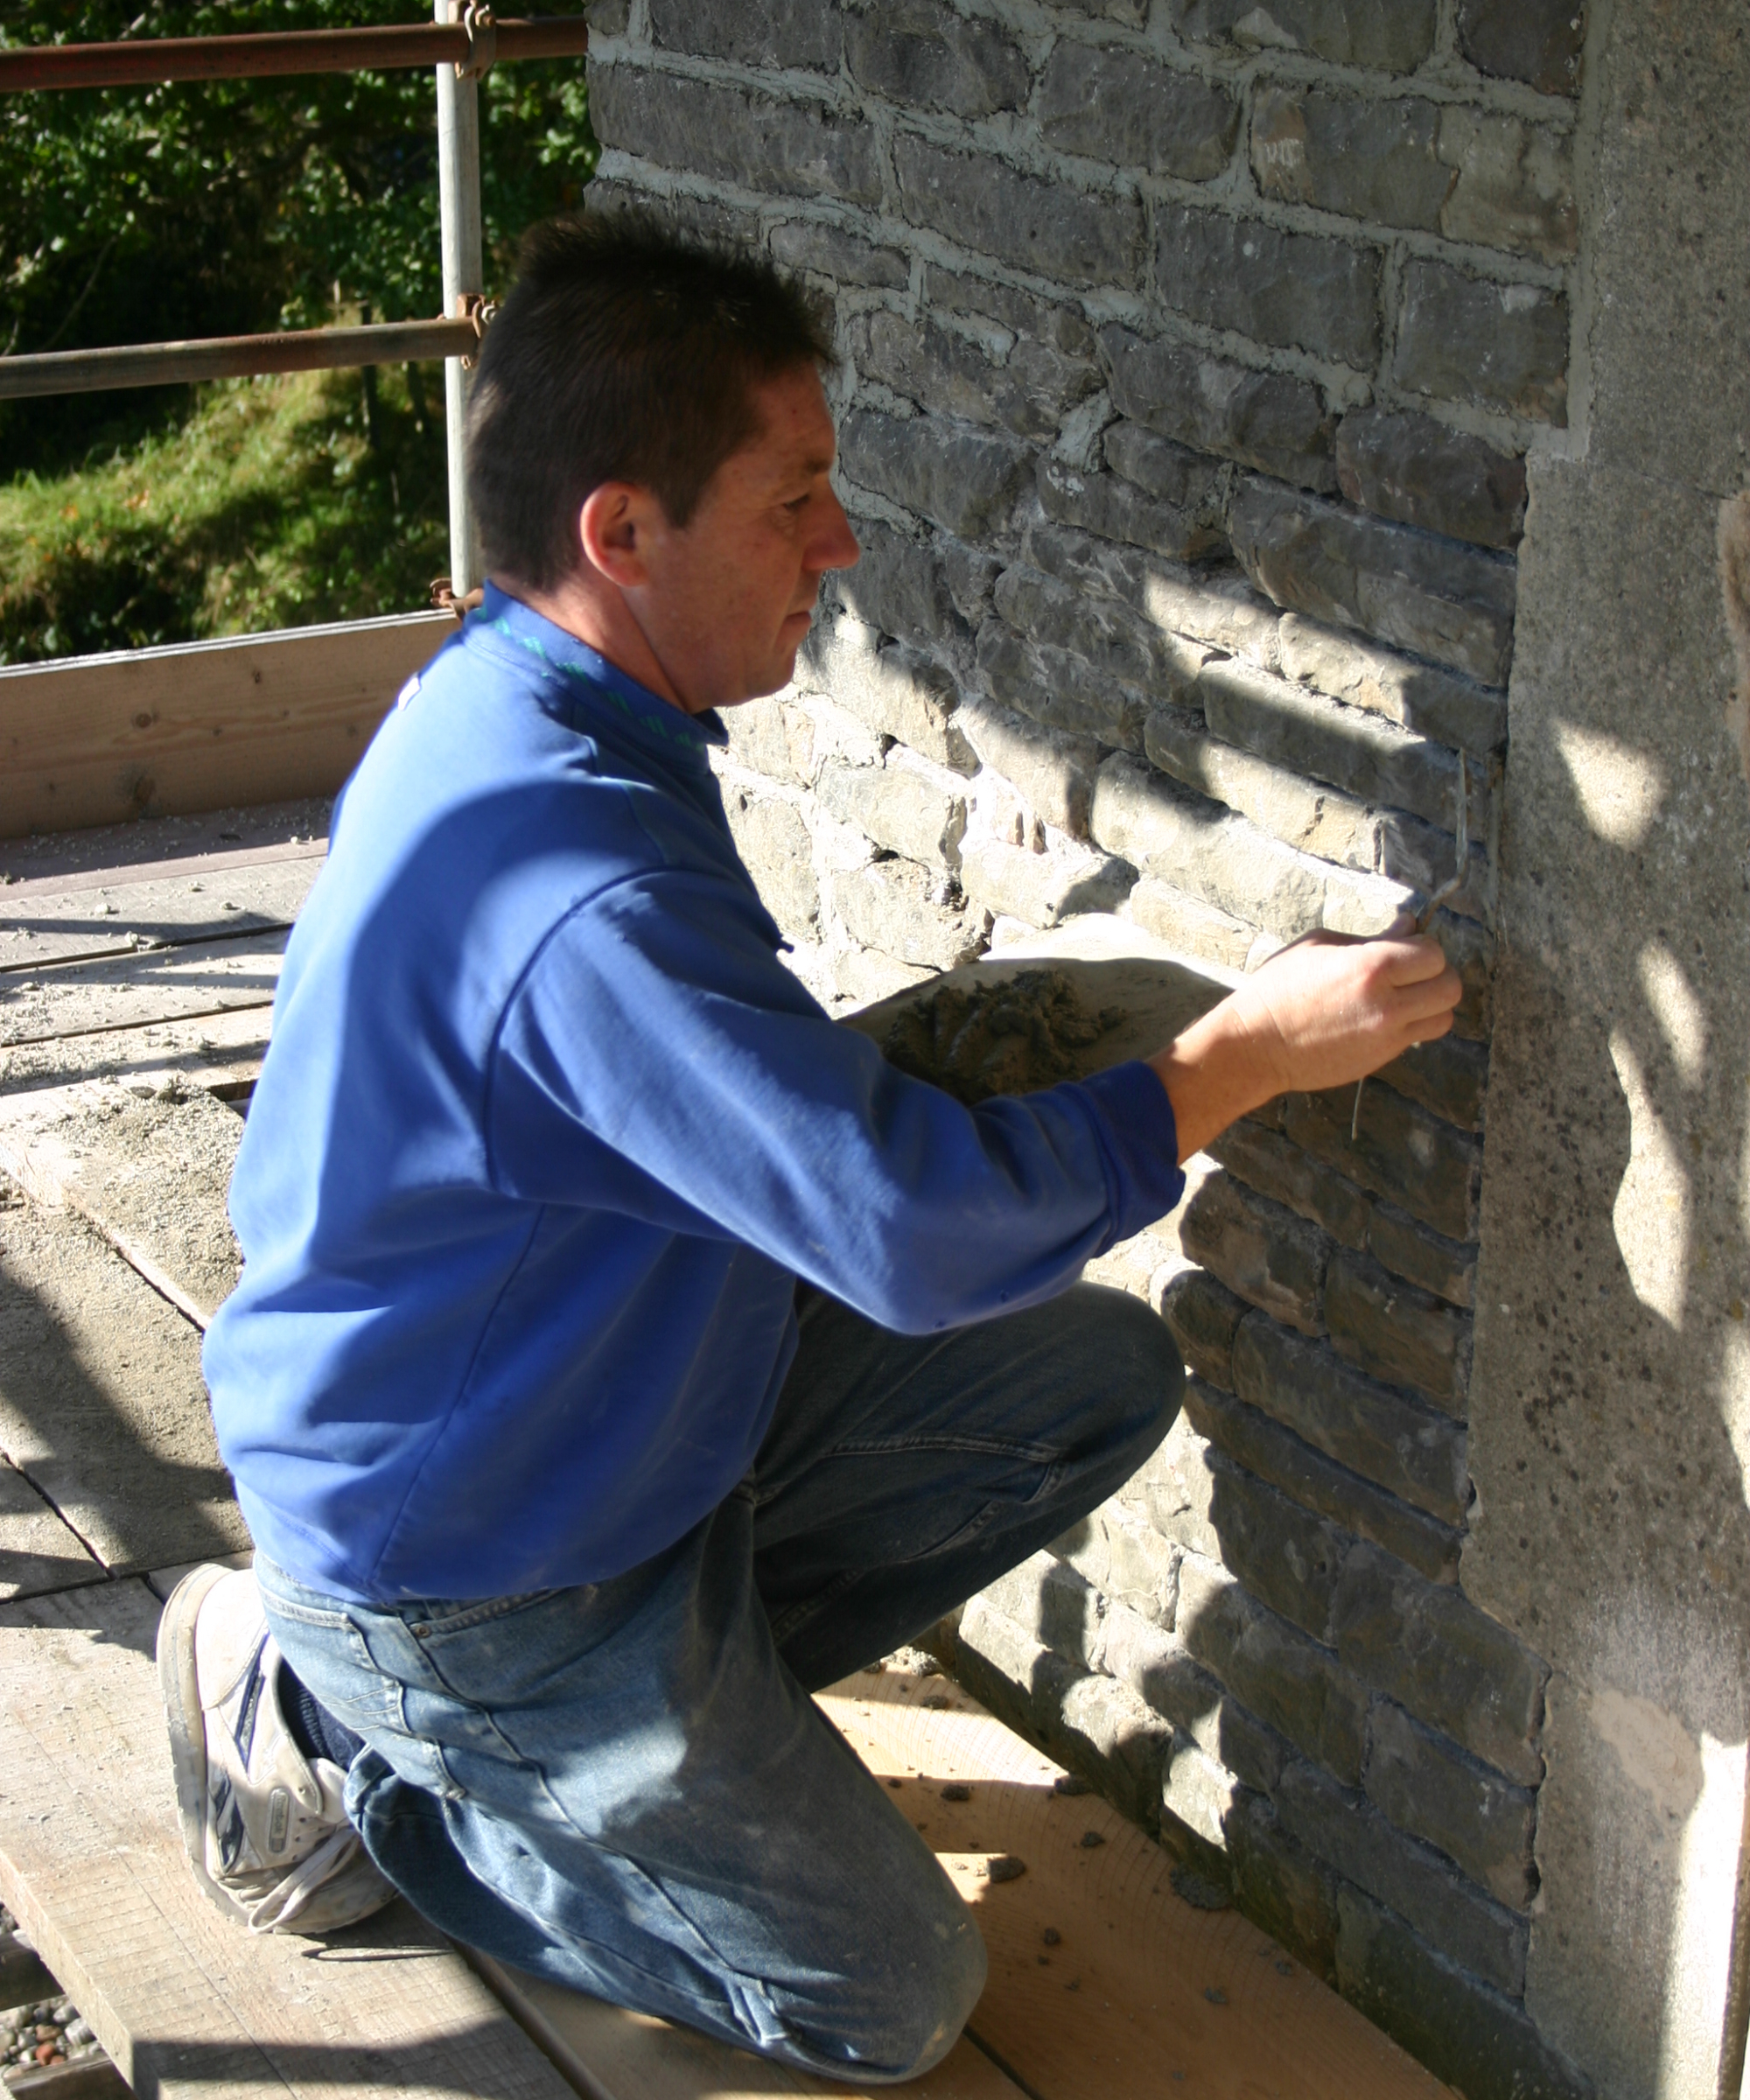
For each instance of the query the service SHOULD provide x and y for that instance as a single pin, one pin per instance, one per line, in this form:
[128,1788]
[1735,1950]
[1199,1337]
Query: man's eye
[796,504]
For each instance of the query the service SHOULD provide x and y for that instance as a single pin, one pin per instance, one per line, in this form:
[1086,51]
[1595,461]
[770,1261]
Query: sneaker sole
[179,1683]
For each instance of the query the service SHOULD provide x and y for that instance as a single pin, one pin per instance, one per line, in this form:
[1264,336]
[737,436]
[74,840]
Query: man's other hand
[1324,1012]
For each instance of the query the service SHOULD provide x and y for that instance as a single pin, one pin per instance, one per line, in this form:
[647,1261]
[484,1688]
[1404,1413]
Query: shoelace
[286,1898]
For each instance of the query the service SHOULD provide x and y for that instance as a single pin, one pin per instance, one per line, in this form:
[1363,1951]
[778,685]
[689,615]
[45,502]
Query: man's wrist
[1214,1073]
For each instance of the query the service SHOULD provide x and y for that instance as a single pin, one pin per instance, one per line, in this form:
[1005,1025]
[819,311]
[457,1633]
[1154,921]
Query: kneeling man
[624,1350]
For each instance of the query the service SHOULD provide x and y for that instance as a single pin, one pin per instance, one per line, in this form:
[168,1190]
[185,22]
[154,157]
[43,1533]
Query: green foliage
[139,214]
[267,509]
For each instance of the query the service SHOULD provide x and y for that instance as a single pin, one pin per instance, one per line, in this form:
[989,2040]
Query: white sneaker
[265,1827]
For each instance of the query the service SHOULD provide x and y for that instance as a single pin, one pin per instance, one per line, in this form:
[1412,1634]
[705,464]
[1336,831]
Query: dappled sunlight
[1619,789]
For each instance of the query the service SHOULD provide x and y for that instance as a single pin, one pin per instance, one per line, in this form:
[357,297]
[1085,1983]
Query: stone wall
[1191,355]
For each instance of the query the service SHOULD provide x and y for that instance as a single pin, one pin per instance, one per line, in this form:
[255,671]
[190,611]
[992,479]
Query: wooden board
[201,725]
[1139,1993]
[37,1552]
[102,1404]
[613,2055]
[45,922]
[154,984]
[190,2007]
[221,1053]
[150,846]
[150,1176]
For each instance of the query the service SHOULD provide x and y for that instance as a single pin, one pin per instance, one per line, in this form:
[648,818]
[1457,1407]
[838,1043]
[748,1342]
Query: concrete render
[1610,1400]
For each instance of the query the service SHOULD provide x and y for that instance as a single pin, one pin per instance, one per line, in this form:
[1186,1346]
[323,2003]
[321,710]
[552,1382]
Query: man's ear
[616,526]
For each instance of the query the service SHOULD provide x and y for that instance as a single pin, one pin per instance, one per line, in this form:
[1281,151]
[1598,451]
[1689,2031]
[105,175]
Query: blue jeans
[627,1789]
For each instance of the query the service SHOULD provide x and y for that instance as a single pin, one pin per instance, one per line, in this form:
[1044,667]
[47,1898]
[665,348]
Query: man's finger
[1413,961]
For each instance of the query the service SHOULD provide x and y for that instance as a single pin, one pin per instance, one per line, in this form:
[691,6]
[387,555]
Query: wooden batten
[201,726]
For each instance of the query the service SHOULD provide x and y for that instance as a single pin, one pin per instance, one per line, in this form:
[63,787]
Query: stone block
[773,738]
[1274,1259]
[1437,1655]
[1425,856]
[1116,509]
[1474,2037]
[1158,1668]
[1189,925]
[1171,473]
[964,480]
[1266,1161]
[1057,689]
[1394,1332]
[1406,465]
[1266,420]
[1252,1439]
[1029,393]
[1052,772]
[1451,603]
[829,251]
[838,733]
[1433,702]
[1441,168]
[780,149]
[1305,291]
[778,852]
[1204,1316]
[708,219]
[1299,812]
[1054,1602]
[1410,1450]
[1114,104]
[1470,949]
[1126,1561]
[897,586]
[1287,1555]
[1070,236]
[1290,1682]
[751,33]
[1400,1152]
[1391,36]
[1306,735]
[1282,1887]
[1092,1724]
[1449,1076]
[1337,1824]
[970,574]
[1044,889]
[1108,637]
[1199,1791]
[861,977]
[1538,41]
[898,808]
[1202,847]
[899,909]
[891,689]
[1493,345]
[1431,1787]
[1173,1490]
[923,56]
[1017,315]
[1438,1264]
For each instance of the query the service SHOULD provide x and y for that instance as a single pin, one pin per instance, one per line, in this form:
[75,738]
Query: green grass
[263,508]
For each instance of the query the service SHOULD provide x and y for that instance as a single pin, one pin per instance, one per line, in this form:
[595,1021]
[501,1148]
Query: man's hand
[1324,1012]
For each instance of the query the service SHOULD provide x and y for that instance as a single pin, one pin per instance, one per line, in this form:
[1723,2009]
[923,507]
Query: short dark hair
[624,353]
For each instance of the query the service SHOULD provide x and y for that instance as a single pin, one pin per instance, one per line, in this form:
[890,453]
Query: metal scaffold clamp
[476,307]
[482,34]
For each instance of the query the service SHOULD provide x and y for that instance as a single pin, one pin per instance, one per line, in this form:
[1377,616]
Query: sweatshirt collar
[652,719]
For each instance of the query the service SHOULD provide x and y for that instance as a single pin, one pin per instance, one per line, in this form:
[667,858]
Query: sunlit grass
[265,508]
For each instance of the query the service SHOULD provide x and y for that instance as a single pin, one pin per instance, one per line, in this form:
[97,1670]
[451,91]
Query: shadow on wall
[1611,1400]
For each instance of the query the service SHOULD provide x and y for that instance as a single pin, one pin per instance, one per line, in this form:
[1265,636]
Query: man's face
[731,595]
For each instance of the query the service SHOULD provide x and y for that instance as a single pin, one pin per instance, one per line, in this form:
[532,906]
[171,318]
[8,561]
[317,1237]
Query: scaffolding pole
[459,204]
[236,357]
[154,61]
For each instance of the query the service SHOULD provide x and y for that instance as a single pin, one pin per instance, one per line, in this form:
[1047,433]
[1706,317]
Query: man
[624,1351]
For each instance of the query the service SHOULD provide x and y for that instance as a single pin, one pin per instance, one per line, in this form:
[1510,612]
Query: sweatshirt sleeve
[657,1032]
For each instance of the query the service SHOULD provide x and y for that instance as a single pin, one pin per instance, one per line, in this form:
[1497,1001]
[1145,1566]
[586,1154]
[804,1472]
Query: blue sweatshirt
[547,1134]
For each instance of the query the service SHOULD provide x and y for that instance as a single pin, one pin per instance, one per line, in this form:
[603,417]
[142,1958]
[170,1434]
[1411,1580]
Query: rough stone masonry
[1193,355]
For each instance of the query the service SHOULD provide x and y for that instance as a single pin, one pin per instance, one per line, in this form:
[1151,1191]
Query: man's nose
[835,546]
